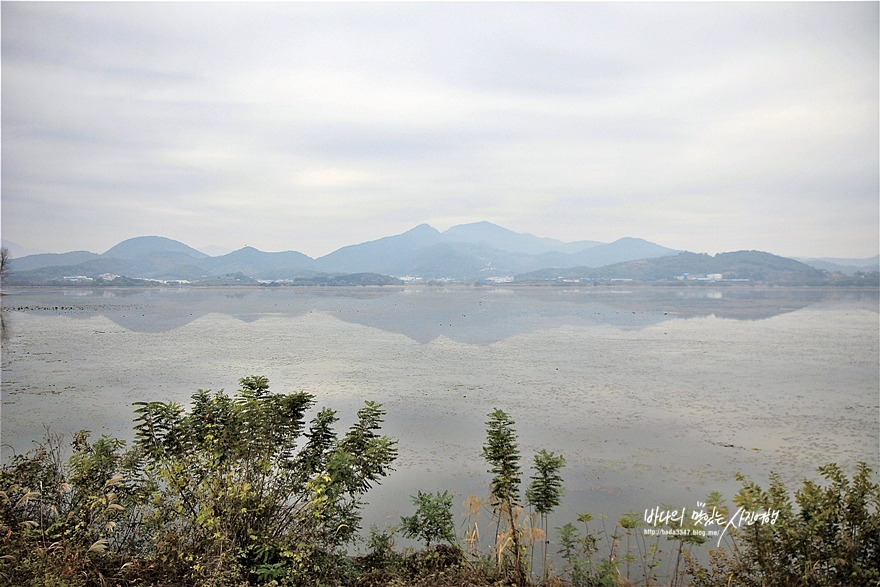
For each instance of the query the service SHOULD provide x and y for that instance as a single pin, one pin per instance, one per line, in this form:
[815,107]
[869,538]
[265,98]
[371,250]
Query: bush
[68,523]
[233,489]
[830,536]
[433,521]
[217,495]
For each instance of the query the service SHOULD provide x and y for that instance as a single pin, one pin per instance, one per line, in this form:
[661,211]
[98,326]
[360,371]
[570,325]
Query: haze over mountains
[461,252]
[465,252]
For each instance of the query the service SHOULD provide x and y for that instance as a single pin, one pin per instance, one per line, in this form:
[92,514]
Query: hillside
[145,245]
[845,266]
[497,237]
[754,266]
[474,251]
[31,262]
[465,253]
[255,262]
[385,255]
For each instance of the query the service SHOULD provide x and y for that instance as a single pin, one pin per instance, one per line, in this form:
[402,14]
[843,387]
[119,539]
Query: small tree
[578,554]
[433,520]
[545,492]
[5,262]
[233,490]
[502,454]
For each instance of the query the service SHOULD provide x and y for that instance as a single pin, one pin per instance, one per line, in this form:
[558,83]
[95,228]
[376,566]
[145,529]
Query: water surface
[654,395]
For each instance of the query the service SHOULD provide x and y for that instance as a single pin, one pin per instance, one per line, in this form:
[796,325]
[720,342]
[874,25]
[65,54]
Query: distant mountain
[624,249]
[17,250]
[252,261]
[755,266]
[144,245]
[385,255]
[466,253]
[500,238]
[151,257]
[471,251]
[214,250]
[448,260]
[156,265]
[31,262]
[845,266]
[152,253]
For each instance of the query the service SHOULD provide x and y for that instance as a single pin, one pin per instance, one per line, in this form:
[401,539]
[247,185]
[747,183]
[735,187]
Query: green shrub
[433,521]
[545,493]
[68,523]
[829,536]
[502,454]
[216,495]
[233,489]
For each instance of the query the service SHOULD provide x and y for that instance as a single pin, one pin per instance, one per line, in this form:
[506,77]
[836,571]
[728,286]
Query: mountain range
[465,253]
[462,252]
[753,266]
[845,266]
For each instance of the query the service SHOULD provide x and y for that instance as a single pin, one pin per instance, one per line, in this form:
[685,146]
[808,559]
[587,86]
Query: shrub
[233,489]
[829,536]
[68,523]
[433,520]
[545,493]
[216,495]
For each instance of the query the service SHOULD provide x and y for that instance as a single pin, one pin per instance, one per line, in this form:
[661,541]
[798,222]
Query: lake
[653,395]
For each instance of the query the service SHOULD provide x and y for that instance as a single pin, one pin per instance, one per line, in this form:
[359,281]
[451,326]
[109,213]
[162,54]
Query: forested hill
[755,266]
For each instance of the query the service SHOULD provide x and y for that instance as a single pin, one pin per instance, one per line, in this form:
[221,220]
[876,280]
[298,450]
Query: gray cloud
[709,127]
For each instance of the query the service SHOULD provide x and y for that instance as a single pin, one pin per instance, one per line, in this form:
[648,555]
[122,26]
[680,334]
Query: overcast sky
[700,126]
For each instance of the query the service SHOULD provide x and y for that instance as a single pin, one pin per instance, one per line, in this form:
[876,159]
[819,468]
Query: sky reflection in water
[654,395]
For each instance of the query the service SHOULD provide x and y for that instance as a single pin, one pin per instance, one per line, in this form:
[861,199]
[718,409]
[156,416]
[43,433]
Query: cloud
[699,126]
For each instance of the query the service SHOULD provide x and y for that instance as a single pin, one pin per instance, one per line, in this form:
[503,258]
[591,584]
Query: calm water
[653,395]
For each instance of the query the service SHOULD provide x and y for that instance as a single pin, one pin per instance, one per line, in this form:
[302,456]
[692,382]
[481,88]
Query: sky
[708,127]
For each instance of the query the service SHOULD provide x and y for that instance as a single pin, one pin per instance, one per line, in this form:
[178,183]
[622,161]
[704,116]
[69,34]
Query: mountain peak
[144,245]
[423,228]
[478,228]
[501,238]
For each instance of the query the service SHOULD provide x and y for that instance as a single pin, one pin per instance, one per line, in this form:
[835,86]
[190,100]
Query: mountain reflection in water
[471,315]
[654,395]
